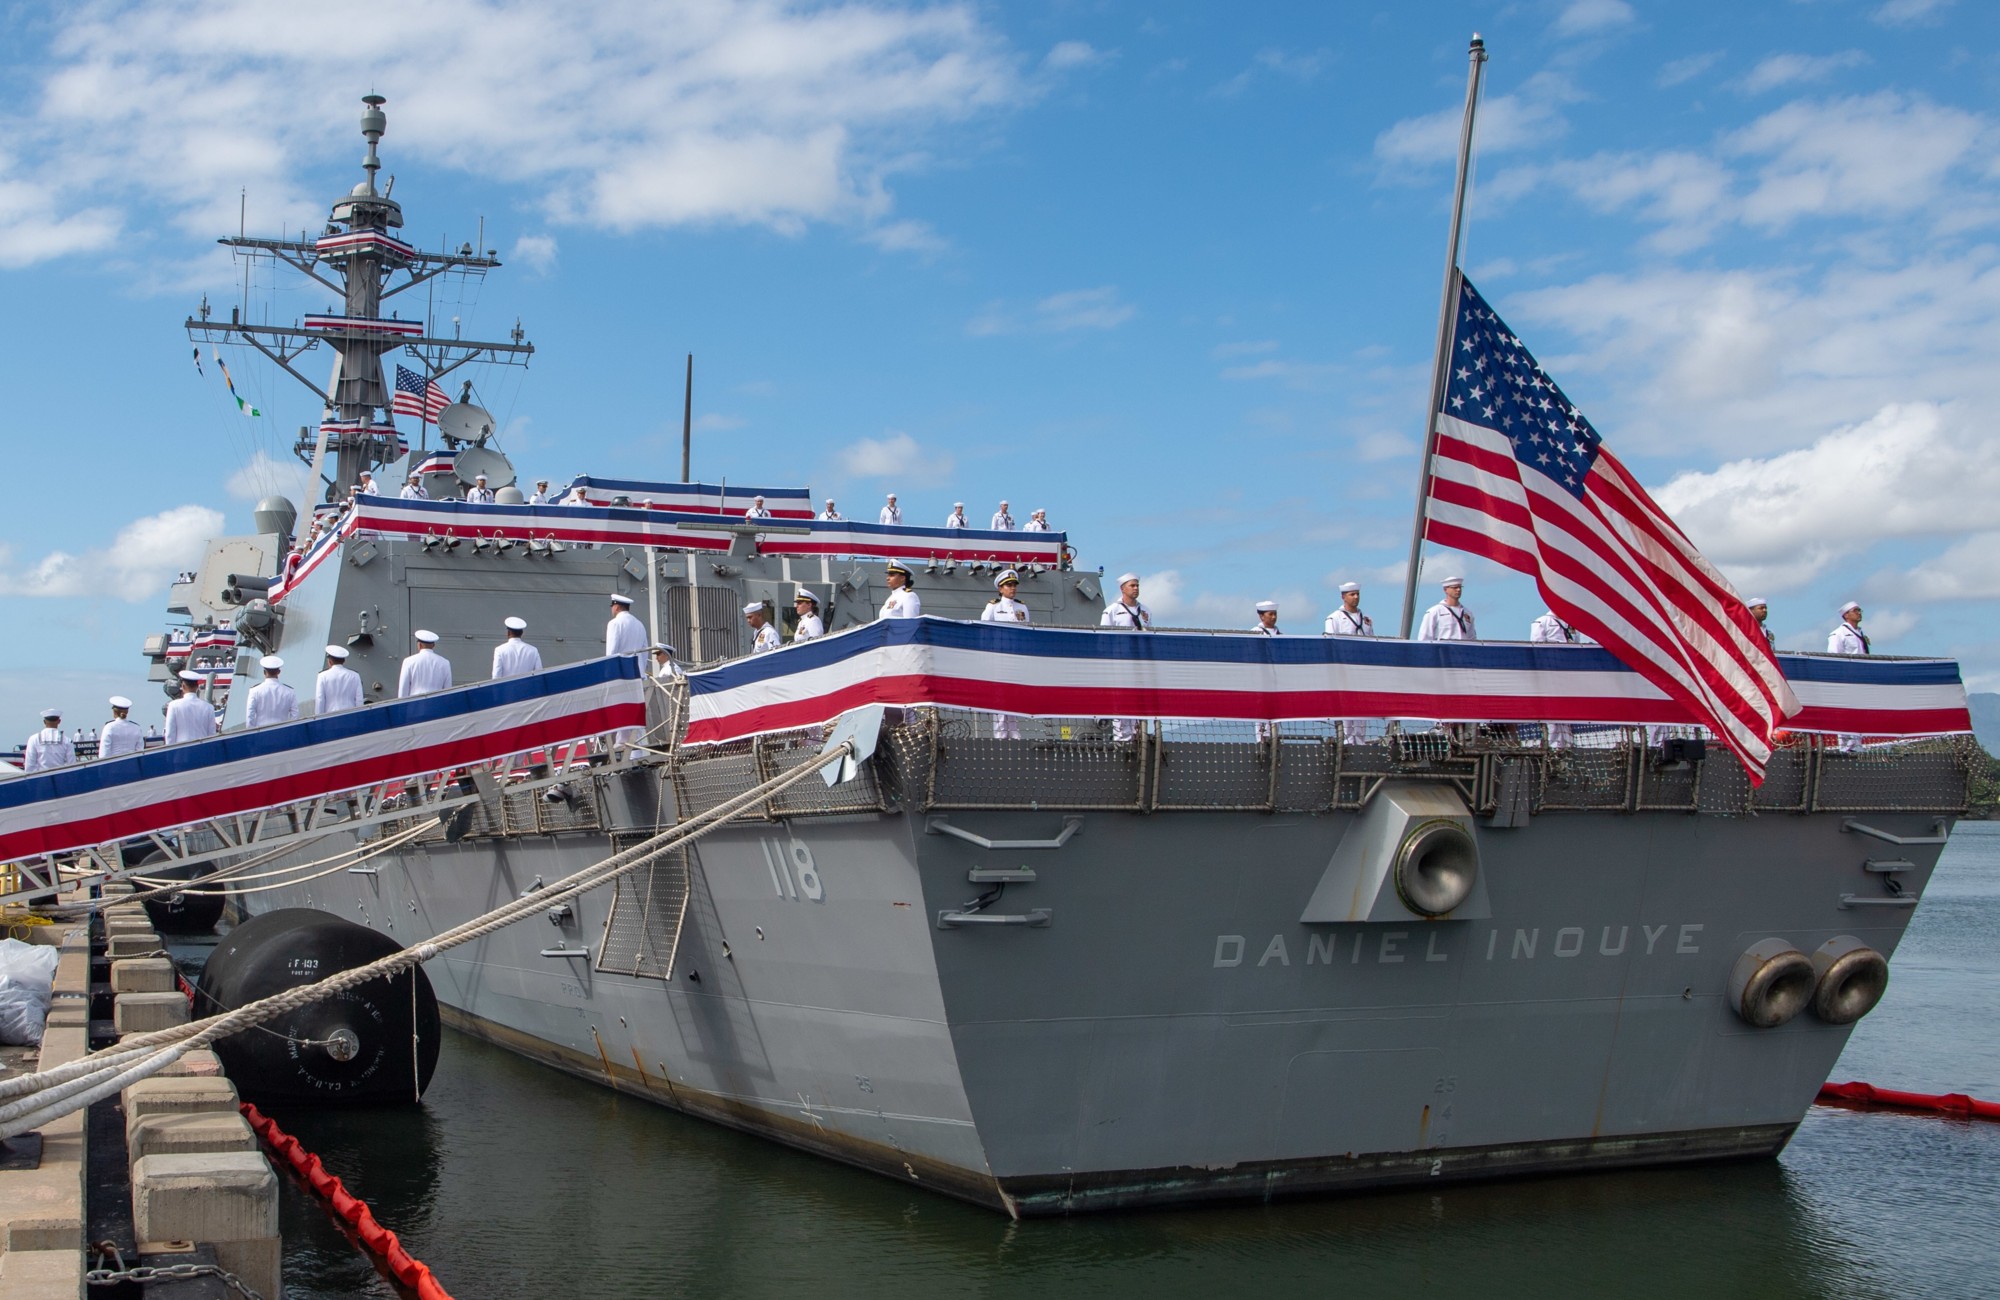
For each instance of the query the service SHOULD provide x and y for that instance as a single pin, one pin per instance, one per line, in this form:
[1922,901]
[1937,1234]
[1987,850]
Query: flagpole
[1447,310]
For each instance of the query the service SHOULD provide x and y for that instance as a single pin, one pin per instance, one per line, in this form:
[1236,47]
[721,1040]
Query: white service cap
[51,713]
[1346,587]
[1267,607]
[754,607]
[659,646]
[1452,582]
[620,598]
[426,637]
[958,505]
[189,675]
[1755,601]
[515,623]
[270,663]
[1006,575]
[804,594]
[1124,578]
[120,702]
[337,652]
[479,478]
[1852,604]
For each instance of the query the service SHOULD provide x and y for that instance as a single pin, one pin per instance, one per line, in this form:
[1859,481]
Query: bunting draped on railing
[1060,672]
[662,528]
[244,771]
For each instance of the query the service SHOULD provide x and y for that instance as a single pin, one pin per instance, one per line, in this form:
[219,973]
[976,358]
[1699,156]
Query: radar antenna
[360,259]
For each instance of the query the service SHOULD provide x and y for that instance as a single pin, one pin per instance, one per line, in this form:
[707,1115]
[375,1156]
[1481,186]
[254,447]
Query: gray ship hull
[1148,1020]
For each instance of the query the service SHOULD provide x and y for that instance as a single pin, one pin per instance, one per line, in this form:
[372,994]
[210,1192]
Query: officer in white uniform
[1760,609]
[1348,620]
[480,493]
[1005,608]
[190,717]
[1037,522]
[365,485]
[1550,630]
[425,671]
[1847,638]
[1448,620]
[664,666]
[271,701]
[957,519]
[902,602]
[413,489]
[1128,615]
[541,493]
[514,656]
[757,510]
[810,627]
[338,686]
[830,514]
[759,619]
[1002,521]
[892,513]
[121,735]
[48,747]
[624,634]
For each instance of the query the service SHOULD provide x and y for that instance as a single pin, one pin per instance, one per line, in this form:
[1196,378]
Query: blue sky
[1169,271]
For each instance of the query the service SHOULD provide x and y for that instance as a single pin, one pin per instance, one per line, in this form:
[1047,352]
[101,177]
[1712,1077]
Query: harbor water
[515,1180]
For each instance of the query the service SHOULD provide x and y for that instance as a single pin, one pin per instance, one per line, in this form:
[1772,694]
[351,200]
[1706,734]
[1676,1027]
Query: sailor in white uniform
[757,510]
[1448,620]
[1002,521]
[624,634]
[1267,625]
[480,494]
[1037,522]
[810,627]
[1005,608]
[413,489]
[271,701]
[830,514]
[514,656]
[425,671]
[1128,615]
[902,602]
[1760,609]
[338,686]
[48,748]
[892,513]
[121,735]
[664,666]
[1847,638]
[190,717]
[1550,630]
[365,485]
[541,496]
[957,519]
[1348,620]
[765,637]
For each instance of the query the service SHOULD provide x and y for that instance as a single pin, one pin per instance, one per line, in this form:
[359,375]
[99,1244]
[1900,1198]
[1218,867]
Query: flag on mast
[241,405]
[1520,477]
[197,364]
[418,396]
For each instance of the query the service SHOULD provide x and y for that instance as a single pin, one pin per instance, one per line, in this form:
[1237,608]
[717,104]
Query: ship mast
[362,261]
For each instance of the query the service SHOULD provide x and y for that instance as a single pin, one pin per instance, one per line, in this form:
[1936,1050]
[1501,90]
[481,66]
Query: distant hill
[1986,719]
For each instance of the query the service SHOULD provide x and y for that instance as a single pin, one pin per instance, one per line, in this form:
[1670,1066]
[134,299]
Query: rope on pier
[33,1100]
[351,1210]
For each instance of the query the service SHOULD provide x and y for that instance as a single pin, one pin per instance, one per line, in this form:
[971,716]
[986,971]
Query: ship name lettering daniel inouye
[1388,947]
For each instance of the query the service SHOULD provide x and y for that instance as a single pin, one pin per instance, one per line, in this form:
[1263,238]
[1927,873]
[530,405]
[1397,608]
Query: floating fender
[352,1047]
[1771,982]
[1436,866]
[179,913]
[1852,978]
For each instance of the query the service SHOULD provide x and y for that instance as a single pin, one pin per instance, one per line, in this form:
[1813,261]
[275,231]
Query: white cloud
[1585,17]
[1904,13]
[1777,522]
[738,111]
[1687,69]
[1274,62]
[906,237]
[1793,69]
[138,564]
[1969,569]
[1174,604]
[1073,54]
[896,456]
[1869,155]
[1506,123]
[1059,313]
[536,252]
[1245,348]
[264,475]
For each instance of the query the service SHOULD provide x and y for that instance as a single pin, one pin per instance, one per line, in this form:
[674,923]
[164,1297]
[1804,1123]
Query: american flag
[1521,478]
[418,396]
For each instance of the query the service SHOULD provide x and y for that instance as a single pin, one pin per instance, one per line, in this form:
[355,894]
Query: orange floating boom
[1944,1103]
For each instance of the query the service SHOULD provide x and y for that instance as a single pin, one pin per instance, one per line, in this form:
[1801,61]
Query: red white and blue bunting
[1060,672]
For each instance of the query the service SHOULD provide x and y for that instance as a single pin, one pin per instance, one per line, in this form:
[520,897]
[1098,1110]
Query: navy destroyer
[1083,962]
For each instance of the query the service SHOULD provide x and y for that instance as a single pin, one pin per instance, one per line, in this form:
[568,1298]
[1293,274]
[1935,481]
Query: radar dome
[275,514]
[509,496]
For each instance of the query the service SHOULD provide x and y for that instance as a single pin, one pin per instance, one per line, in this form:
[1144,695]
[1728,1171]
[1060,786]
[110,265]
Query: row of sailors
[892,514]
